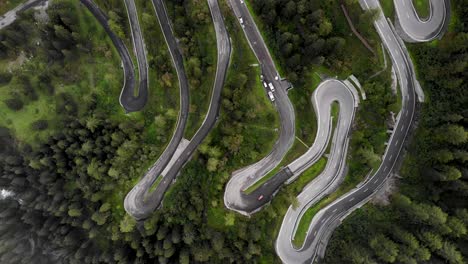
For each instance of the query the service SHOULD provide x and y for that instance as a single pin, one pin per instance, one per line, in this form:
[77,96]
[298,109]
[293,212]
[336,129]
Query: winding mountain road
[140,202]
[412,28]
[327,219]
[9,17]
[234,197]
[127,99]
[328,180]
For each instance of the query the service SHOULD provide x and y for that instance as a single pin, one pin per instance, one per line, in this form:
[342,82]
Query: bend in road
[326,182]
[140,203]
[245,177]
[136,195]
[128,100]
[127,63]
[9,17]
[327,219]
[415,29]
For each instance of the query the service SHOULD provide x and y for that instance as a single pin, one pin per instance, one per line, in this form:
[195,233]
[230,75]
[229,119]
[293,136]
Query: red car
[260,197]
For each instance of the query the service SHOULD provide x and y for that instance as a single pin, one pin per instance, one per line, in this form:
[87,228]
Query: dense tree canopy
[427,220]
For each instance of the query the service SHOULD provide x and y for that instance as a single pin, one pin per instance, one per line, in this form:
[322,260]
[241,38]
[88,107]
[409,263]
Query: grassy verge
[389,9]
[303,226]
[422,8]
[7,5]
[260,26]
[197,41]
[258,133]
[101,76]
[263,118]
[354,59]
[93,80]
[262,180]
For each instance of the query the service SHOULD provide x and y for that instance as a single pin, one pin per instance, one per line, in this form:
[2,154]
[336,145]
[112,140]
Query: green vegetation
[262,180]
[97,153]
[7,5]
[426,220]
[388,8]
[30,80]
[194,29]
[72,166]
[303,226]
[369,134]
[422,8]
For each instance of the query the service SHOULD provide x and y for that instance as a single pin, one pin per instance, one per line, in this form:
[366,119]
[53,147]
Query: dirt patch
[13,65]
[382,197]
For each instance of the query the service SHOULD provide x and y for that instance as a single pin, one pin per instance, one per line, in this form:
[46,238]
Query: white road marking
[366,189]
[351,199]
[334,210]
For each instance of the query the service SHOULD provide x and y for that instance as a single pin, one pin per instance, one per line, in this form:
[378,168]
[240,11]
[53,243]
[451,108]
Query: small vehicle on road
[272,88]
[265,84]
[272,97]
[260,197]
[241,21]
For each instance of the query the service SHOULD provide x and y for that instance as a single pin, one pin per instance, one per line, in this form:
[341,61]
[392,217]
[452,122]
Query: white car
[272,88]
[265,84]
[272,97]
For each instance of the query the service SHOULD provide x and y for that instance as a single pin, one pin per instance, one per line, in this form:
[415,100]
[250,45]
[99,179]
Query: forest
[68,186]
[69,164]
[427,220]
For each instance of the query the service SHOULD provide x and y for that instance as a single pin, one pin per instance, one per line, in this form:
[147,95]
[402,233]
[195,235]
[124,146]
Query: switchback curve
[140,202]
[412,28]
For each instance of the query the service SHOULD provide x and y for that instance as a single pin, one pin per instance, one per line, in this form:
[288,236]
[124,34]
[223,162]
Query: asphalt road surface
[234,198]
[416,29]
[327,219]
[329,179]
[10,16]
[140,202]
[128,100]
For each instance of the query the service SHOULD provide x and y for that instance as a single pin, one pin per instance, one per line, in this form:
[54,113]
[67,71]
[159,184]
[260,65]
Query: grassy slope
[357,60]
[267,119]
[7,5]
[422,7]
[96,76]
[97,72]
[205,39]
